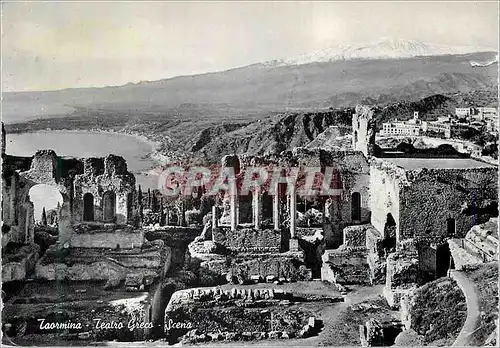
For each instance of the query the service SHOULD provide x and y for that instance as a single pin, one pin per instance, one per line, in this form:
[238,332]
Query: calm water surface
[89,144]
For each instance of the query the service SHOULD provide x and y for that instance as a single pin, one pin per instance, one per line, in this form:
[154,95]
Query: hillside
[244,94]
[275,135]
[440,301]
[201,135]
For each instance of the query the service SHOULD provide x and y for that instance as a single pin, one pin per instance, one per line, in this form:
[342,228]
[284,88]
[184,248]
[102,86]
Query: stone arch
[45,197]
[443,260]
[450,227]
[26,213]
[356,206]
[88,207]
[389,241]
[109,206]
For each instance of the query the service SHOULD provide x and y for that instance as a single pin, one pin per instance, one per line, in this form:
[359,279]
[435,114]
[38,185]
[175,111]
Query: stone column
[293,213]
[276,210]
[13,200]
[121,202]
[182,220]
[257,208]
[233,200]
[214,217]
[29,223]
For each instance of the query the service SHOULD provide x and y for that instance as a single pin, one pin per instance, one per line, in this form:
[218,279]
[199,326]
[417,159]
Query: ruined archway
[389,241]
[109,206]
[245,207]
[267,208]
[47,201]
[356,206]
[443,260]
[88,207]
[450,227]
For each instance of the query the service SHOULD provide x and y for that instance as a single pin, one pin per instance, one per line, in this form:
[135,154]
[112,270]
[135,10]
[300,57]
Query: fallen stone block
[256,278]
[270,278]
[134,279]
[274,335]
[311,322]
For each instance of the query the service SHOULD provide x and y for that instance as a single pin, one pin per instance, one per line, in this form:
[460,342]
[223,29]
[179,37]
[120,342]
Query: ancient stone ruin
[399,220]
[95,236]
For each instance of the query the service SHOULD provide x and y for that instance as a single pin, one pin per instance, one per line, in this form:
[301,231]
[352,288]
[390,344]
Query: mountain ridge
[240,93]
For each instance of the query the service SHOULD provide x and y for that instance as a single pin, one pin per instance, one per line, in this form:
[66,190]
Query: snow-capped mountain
[383,49]
[486,63]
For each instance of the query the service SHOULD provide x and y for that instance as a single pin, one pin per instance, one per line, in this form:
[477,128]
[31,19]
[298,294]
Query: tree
[44,217]
[139,198]
[162,214]
[149,198]
[139,195]
[154,203]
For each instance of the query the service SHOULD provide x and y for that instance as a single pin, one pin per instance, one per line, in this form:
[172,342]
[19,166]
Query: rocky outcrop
[401,278]
[479,245]
[357,260]
[274,135]
[18,265]
[409,338]
[375,333]
[152,261]
[213,133]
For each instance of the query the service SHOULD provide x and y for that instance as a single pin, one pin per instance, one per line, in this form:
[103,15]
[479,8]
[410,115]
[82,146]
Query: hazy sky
[57,45]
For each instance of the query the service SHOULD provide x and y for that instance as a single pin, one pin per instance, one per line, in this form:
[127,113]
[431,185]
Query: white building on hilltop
[485,113]
[411,127]
[463,112]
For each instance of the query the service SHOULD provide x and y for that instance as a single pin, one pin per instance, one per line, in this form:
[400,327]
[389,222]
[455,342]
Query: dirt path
[472,301]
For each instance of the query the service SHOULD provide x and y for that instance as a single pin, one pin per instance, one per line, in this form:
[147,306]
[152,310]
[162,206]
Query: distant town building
[492,124]
[411,127]
[445,126]
[439,127]
[484,113]
[463,112]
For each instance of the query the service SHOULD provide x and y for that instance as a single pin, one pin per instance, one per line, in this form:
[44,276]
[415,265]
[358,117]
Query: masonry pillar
[182,221]
[29,223]
[214,217]
[293,213]
[276,210]
[257,208]
[294,243]
[234,211]
[4,141]
[13,200]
